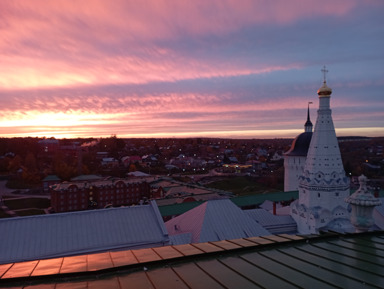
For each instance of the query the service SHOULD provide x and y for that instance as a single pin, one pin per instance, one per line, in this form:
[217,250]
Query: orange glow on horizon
[47,132]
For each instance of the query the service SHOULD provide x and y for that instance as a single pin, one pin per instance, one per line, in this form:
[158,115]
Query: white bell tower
[323,185]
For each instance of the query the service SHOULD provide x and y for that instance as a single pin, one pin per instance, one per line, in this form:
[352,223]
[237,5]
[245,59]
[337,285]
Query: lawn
[26,203]
[3,214]
[29,212]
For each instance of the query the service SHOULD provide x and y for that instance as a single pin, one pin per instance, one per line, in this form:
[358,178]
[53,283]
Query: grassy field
[3,214]
[240,186]
[29,212]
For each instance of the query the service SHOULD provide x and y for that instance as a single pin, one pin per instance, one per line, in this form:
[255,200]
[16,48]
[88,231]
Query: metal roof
[279,261]
[241,201]
[266,218]
[378,215]
[300,145]
[48,236]
[86,178]
[273,223]
[138,174]
[177,209]
[179,239]
[81,184]
[215,220]
[51,178]
[260,198]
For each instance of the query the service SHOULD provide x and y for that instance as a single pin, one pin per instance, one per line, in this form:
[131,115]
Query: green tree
[132,168]
[15,164]
[63,167]
[30,162]
[4,165]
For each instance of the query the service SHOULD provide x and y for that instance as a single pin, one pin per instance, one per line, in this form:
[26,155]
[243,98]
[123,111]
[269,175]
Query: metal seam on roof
[71,233]
[270,250]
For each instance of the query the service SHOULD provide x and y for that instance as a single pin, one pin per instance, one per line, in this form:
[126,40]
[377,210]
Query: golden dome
[324,90]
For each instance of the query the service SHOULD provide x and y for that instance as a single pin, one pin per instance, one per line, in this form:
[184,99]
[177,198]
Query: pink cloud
[64,43]
[37,73]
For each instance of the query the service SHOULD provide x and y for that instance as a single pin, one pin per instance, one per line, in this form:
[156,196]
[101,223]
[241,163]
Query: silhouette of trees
[64,168]
[15,164]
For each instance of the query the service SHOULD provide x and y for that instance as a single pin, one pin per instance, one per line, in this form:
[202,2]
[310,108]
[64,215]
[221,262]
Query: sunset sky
[238,69]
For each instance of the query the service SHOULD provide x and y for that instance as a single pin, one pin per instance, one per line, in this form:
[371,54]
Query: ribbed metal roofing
[279,261]
[241,201]
[180,239]
[265,218]
[86,178]
[48,236]
[51,178]
[260,198]
[378,215]
[215,220]
[273,223]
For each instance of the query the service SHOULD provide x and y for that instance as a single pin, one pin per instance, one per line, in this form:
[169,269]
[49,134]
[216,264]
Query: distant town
[113,171]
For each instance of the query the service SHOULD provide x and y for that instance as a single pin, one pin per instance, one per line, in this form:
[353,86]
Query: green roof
[51,178]
[276,261]
[178,209]
[86,178]
[241,201]
[260,198]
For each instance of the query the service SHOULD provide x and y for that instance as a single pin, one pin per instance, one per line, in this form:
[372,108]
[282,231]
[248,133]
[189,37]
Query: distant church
[294,159]
[321,180]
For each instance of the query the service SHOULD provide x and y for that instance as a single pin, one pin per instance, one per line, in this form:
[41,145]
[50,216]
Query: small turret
[308,125]
[362,203]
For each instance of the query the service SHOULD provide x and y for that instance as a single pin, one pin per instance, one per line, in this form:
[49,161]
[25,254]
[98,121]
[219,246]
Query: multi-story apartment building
[83,195]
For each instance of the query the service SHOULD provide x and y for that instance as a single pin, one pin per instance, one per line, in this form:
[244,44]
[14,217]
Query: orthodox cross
[324,71]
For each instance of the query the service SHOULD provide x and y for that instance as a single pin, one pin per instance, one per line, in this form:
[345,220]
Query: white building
[323,185]
[294,159]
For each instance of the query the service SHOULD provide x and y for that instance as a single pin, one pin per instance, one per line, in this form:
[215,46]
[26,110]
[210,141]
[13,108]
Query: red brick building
[76,196]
